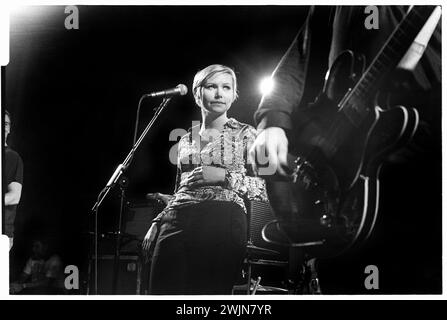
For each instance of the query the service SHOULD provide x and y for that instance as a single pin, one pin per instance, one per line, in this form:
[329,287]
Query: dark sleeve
[19,171]
[14,168]
[275,109]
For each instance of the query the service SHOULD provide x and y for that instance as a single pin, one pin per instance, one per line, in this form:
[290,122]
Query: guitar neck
[386,60]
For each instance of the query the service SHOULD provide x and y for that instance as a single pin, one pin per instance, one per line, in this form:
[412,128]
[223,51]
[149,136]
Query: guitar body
[332,203]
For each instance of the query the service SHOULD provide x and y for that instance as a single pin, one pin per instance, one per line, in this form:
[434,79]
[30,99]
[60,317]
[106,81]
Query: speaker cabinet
[259,214]
[129,274]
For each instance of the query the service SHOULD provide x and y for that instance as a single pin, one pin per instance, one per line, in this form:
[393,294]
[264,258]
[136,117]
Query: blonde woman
[202,231]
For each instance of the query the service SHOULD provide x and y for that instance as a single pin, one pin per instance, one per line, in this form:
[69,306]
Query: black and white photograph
[223,150]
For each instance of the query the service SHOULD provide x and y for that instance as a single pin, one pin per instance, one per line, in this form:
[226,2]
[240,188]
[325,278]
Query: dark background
[73,97]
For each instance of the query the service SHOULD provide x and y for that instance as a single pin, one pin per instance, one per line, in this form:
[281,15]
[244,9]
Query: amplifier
[259,214]
[129,275]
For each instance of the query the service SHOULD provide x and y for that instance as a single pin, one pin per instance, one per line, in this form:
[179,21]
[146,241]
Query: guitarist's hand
[268,154]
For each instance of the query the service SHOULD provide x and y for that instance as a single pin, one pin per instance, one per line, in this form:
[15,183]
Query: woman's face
[218,93]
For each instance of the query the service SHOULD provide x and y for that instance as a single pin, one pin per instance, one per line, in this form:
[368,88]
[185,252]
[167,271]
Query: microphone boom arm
[123,166]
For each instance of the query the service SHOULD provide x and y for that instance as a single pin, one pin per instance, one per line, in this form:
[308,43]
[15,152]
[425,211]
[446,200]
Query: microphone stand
[116,176]
[123,183]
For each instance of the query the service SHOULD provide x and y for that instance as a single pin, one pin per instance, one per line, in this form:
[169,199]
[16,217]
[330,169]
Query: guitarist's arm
[274,113]
[275,109]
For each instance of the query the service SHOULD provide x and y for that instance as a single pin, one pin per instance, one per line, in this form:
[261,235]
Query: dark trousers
[199,250]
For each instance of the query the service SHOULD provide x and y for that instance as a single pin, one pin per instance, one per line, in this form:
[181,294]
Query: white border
[5,8]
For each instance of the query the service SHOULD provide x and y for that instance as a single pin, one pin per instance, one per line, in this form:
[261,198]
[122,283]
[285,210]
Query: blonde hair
[203,75]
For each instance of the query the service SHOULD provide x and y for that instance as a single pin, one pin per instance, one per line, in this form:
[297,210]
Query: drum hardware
[257,287]
[252,249]
[302,268]
[263,262]
[258,250]
[289,243]
[314,283]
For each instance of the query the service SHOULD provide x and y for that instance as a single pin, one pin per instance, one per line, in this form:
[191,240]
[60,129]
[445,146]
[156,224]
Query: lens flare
[266,86]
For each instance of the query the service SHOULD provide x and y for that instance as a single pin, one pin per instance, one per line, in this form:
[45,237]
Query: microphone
[181,90]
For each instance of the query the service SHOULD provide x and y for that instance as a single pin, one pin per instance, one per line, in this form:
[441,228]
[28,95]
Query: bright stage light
[266,86]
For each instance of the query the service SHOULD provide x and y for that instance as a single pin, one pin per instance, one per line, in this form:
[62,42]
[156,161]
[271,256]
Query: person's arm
[12,196]
[24,283]
[205,176]
[273,116]
[275,109]
[52,269]
[19,285]
[14,188]
[163,197]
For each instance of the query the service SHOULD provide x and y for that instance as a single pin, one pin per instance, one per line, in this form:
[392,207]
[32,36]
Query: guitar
[332,203]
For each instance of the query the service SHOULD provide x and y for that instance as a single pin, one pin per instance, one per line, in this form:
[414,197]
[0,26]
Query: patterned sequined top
[227,149]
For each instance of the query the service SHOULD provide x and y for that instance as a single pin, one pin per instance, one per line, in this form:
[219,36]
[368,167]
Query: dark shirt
[13,166]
